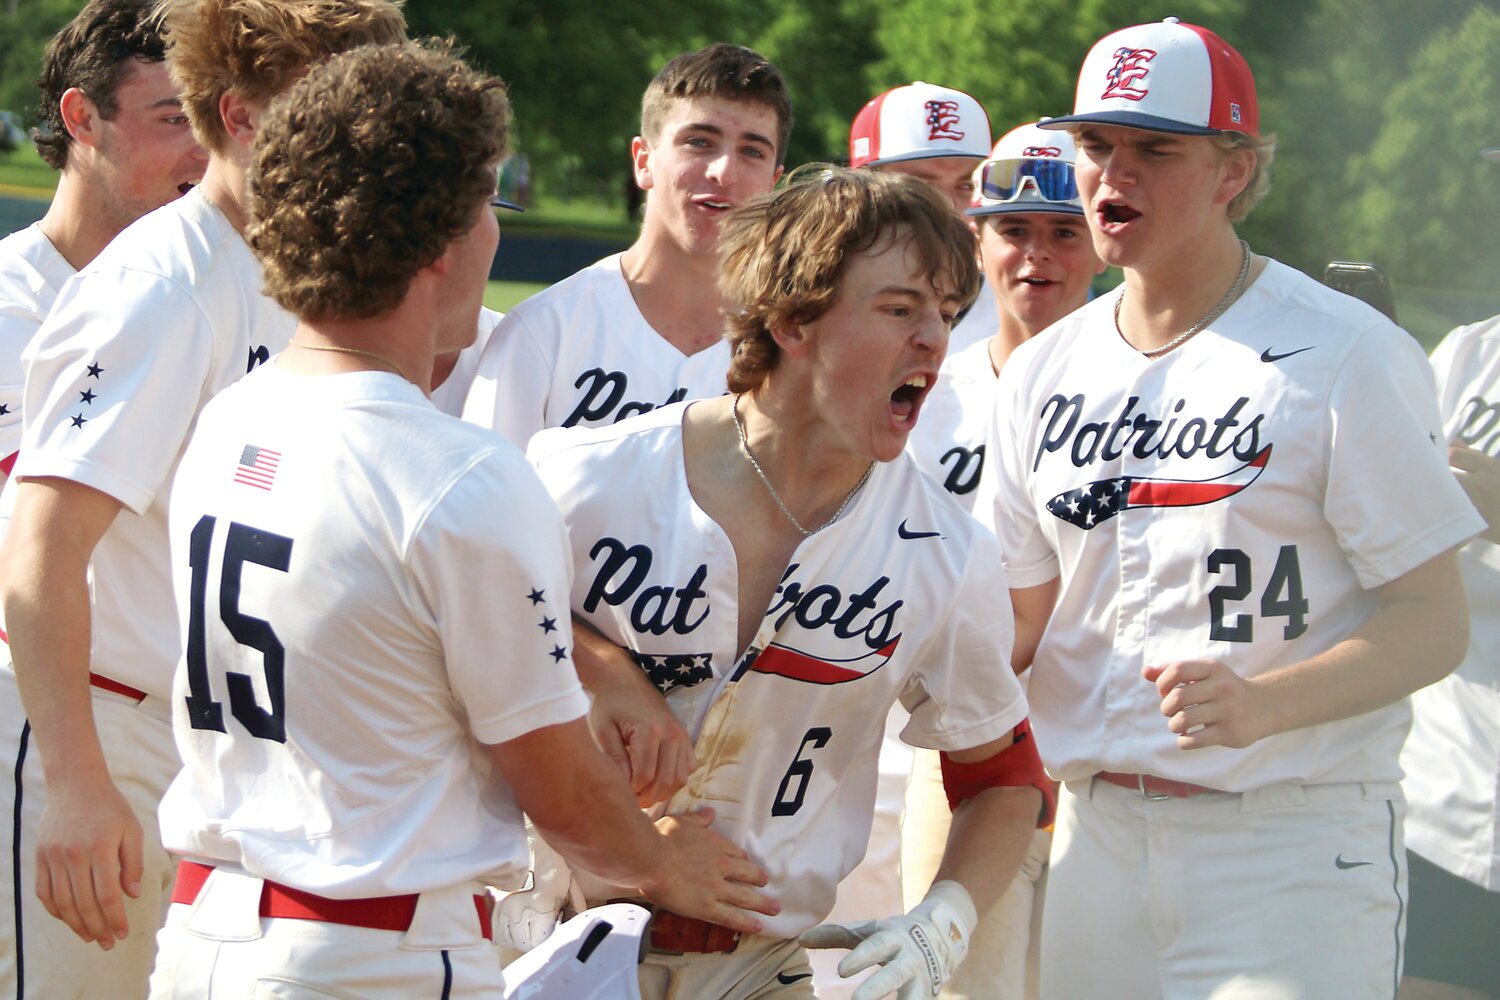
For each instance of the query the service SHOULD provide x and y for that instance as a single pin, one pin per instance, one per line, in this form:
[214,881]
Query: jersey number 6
[788,797]
[242,544]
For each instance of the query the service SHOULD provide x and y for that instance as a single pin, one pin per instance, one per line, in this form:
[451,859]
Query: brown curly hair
[366,170]
[92,52]
[718,70]
[782,256]
[256,48]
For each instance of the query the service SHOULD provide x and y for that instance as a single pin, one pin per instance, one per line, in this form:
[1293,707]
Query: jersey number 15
[242,545]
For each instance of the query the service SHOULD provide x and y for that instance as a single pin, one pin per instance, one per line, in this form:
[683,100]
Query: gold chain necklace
[1228,300]
[334,349]
[766,480]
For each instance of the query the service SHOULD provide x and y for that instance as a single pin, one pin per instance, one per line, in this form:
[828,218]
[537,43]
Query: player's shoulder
[1335,320]
[600,282]
[648,432]
[919,508]
[186,242]
[31,271]
[1484,335]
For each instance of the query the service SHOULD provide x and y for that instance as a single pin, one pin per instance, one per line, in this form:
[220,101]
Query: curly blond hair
[256,48]
[366,170]
[782,256]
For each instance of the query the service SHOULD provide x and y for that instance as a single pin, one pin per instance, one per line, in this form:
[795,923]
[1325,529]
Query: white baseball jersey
[981,322]
[449,397]
[167,315]
[948,441]
[903,597]
[580,354]
[31,272]
[355,611]
[1452,757]
[1233,499]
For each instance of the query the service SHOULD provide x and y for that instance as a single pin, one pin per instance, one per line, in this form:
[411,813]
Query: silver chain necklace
[1213,314]
[766,480]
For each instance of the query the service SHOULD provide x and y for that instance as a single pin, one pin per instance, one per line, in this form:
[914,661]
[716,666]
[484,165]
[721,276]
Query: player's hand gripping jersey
[1233,499]
[903,597]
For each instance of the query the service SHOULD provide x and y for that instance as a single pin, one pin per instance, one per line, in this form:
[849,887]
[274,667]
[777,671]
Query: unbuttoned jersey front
[903,597]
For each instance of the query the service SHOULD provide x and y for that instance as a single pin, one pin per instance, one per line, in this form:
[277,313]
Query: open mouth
[1036,282]
[907,399]
[1115,213]
[716,204]
[185,187]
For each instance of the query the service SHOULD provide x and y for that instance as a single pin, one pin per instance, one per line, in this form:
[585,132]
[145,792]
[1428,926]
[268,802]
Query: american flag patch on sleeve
[257,467]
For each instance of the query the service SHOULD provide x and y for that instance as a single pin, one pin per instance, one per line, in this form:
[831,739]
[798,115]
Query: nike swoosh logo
[786,980]
[1339,862]
[905,532]
[1267,356]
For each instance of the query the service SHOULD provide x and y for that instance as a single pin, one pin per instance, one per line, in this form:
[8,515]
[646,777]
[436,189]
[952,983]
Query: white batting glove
[525,918]
[917,951]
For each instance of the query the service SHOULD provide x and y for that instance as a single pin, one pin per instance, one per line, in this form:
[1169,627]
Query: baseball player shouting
[115,131]
[170,313]
[1195,480]
[645,327]
[356,757]
[788,575]
[1036,251]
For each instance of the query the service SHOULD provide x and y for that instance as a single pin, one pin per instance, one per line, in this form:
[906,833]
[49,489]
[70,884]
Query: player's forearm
[579,803]
[47,615]
[988,841]
[1416,637]
[1033,609]
[600,662]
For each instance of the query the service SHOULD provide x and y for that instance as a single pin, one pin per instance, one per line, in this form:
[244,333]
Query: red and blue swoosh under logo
[1091,505]
[784,661]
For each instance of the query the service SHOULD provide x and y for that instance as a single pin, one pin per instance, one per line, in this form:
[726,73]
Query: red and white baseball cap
[1029,170]
[1165,77]
[918,122]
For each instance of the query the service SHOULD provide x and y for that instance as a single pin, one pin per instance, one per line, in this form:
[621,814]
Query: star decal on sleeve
[547,625]
[79,420]
[95,371]
[86,395]
[558,654]
[4,409]
[536,596]
[675,671]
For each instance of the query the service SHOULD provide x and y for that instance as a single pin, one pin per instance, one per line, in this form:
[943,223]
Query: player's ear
[241,118]
[640,163]
[793,338]
[80,116]
[1235,171]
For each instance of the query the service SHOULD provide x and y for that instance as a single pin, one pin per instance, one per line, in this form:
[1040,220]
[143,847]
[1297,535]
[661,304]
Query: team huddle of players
[306,670]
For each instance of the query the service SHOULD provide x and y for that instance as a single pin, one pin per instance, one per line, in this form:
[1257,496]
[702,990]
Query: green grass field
[504,295]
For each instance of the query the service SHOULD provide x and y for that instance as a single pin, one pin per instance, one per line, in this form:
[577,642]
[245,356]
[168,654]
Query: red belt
[381,913]
[674,932]
[1153,787]
[105,684]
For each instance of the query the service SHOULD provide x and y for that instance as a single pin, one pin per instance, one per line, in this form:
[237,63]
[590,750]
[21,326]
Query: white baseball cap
[1029,170]
[1165,77]
[919,121]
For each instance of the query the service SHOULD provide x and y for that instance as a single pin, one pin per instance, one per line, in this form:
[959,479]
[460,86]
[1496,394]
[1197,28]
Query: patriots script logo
[657,609]
[942,120]
[1479,425]
[824,606]
[604,394]
[1142,435]
[963,467]
[1127,75]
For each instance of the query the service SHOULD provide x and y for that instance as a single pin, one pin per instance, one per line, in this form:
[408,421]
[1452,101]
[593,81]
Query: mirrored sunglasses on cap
[1050,180]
